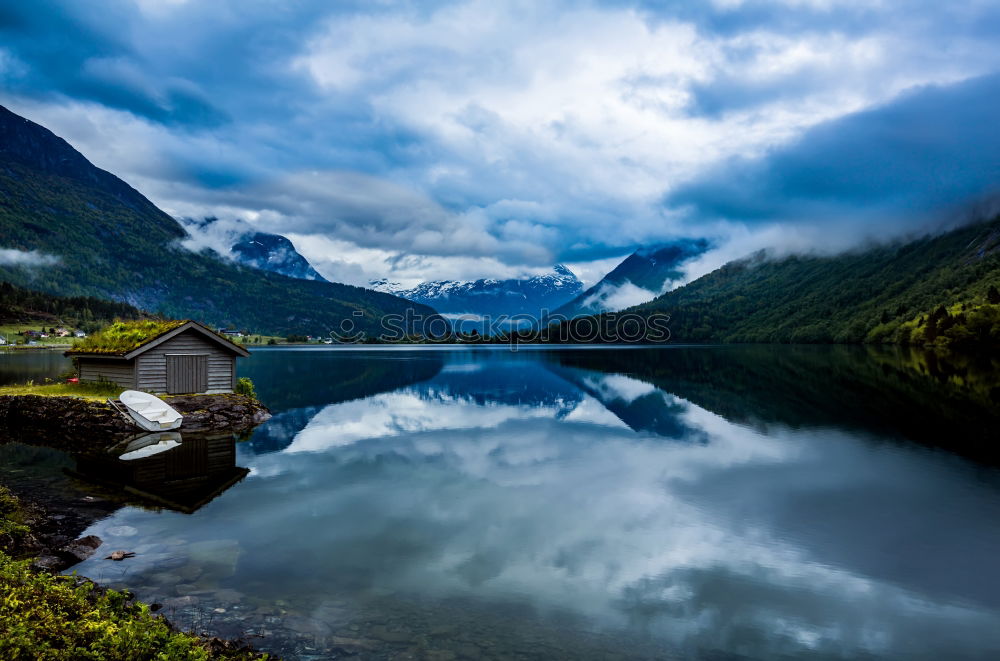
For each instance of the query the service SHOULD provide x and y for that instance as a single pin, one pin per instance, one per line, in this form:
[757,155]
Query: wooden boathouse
[174,357]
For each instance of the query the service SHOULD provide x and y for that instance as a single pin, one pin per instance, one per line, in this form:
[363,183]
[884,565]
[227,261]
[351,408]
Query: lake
[610,503]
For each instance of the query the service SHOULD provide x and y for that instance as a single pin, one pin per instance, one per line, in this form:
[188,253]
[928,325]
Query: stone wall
[203,413]
[77,424]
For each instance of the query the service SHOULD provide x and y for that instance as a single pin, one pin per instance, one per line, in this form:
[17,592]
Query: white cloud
[219,235]
[345,261]
[610,297]
[13,257]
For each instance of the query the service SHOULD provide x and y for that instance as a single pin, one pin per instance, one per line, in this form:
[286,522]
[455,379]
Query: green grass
[86,390]
[256,340]
[121,337]
[11,332]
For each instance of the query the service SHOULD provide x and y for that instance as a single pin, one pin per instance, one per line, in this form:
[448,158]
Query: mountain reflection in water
[690,502]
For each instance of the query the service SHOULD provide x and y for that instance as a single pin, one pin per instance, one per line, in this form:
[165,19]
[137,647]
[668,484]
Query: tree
[993,296]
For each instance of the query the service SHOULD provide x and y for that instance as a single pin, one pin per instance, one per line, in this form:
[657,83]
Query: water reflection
[943,400]
[576,504]
[21,365]
[164,469]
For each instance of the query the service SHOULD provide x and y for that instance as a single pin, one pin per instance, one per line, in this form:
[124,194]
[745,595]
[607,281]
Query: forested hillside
[19,305]
[84,232]
[935,290]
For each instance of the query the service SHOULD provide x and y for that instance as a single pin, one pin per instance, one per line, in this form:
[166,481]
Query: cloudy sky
[420,140]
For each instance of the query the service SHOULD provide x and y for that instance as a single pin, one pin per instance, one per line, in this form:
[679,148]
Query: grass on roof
[123,336]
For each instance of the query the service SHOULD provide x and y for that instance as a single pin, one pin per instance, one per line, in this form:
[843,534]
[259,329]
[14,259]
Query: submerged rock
[81,549]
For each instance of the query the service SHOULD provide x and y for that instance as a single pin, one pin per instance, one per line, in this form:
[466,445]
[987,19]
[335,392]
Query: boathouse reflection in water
[180,473]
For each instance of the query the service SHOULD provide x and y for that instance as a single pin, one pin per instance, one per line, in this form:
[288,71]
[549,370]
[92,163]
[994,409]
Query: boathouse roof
[128,339]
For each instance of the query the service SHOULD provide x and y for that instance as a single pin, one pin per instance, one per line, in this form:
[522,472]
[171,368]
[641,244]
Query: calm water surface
[721,503]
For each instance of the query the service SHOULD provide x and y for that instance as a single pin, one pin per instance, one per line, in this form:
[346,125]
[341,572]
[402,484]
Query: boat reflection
[148,445]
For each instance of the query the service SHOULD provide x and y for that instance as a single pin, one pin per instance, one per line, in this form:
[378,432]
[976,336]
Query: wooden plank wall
[152,365]
[117,371]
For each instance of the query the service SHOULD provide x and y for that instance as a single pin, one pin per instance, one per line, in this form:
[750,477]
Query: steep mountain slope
[275,253]
[493,298]
[639,278]
[89,233]
[885,294]
[238,240]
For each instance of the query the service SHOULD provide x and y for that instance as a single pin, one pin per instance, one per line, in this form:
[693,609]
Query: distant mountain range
[641,277]
[70,228]
[492,297]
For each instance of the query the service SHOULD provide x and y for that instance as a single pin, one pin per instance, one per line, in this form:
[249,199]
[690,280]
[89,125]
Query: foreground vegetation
[51,617]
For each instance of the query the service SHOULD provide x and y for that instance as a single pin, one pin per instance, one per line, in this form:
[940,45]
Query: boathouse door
[186,373]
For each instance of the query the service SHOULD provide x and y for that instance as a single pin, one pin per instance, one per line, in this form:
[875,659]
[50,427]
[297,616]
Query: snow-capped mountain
[492,297]
[273,252]
[641,277]
[238,240]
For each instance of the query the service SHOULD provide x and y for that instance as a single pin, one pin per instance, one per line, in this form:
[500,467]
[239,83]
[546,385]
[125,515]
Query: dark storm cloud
[528,132]
[980,17]
[79,50]
[929,152]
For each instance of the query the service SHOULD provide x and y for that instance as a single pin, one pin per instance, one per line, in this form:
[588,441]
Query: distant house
[79,333]
[173,357]
[62,332]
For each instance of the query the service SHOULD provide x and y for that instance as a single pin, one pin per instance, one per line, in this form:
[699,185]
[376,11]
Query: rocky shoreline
[55,512]
[53,527]
[72,423]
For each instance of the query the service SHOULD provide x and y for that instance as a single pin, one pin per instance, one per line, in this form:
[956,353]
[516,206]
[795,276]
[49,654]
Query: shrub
[12,526]
[244,386]
[44,616]
[50,617]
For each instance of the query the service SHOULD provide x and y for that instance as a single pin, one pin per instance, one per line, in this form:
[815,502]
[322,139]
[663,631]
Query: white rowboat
[149,411]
